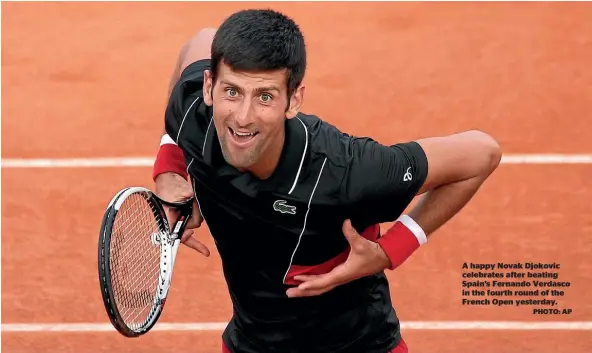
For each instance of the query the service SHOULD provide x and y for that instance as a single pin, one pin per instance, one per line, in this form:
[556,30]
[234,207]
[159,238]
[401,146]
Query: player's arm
[170,171]
[447,170]
[170,157]
[380,182]
[457,167]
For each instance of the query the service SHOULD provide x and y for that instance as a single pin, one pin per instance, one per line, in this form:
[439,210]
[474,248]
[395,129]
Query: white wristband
[166,139]
[414,228]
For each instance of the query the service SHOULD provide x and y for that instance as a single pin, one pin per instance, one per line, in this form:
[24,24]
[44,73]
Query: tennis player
[294,204]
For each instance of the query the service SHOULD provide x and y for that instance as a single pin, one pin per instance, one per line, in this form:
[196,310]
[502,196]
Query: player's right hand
[174,188]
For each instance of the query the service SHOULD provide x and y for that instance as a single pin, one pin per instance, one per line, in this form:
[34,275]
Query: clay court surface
[85,80]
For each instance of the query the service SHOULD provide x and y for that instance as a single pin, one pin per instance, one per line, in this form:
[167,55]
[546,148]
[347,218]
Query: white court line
[547,159]
[77,162]
[149,161]
[408,325]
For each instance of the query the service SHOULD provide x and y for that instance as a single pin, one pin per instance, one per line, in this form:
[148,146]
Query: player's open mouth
[242,137]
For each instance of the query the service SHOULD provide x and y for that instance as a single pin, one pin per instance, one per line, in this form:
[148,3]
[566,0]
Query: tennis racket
[137,251]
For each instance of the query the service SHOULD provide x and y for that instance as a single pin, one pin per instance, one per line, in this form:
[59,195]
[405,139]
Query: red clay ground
[77,86]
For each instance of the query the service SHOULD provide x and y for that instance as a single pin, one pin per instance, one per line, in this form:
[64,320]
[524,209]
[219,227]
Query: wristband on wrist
[402,240]
[170,158]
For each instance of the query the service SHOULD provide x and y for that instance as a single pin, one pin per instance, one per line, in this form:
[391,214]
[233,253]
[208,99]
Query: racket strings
[135,294]
[135,259]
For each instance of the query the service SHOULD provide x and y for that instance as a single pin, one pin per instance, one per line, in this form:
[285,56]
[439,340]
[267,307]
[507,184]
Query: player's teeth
[243,133]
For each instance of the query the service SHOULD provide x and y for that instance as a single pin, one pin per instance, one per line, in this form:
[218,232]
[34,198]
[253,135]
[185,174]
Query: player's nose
[243,116]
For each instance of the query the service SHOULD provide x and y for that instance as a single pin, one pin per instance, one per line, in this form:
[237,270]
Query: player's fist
[174,188]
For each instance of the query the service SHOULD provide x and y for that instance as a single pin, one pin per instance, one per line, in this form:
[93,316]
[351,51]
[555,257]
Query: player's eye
[266,97]
[231,92]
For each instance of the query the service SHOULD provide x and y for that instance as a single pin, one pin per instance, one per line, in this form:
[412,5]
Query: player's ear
[296,101]
[208,86]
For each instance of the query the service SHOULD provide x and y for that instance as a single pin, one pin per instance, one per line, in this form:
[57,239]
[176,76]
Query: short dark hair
[260,40]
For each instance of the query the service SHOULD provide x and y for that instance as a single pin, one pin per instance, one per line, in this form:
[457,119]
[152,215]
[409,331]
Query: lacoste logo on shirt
[407,176]
[281,206]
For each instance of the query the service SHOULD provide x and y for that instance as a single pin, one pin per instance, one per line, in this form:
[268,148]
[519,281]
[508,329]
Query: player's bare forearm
[460,165]
[439,205]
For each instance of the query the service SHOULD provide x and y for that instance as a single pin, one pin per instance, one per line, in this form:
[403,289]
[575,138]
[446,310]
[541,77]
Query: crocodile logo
[281,206]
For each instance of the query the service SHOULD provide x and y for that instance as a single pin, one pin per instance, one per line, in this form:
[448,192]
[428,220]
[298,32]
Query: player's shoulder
[327,140]
[188,90]
[191,80]
[186,99]
[355,155]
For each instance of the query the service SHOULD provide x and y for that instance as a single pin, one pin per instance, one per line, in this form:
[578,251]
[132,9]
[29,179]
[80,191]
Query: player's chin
[239,158]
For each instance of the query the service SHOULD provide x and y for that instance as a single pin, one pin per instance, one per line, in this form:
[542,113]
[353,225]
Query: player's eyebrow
[257,90]
[267,88]
[228,83]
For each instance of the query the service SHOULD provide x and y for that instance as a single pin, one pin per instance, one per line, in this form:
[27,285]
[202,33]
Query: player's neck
[267,165]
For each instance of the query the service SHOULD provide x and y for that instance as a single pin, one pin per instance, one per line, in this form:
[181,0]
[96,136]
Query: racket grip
[181,223]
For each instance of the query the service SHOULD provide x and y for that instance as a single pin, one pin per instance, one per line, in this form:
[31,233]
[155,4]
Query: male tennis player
[294,204]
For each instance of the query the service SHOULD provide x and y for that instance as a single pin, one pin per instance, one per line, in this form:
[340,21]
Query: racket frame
[169,245]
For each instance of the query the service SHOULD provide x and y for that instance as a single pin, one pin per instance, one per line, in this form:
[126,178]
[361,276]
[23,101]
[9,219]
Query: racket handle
[179,229]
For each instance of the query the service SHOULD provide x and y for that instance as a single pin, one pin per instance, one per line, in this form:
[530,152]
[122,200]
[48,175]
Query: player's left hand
[365,258]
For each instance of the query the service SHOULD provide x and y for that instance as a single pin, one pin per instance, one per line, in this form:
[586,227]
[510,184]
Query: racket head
[130,260]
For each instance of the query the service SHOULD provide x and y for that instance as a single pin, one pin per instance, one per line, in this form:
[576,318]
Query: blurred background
[83,94]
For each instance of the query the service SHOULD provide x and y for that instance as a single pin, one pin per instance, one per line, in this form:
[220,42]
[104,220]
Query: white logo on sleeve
[407,176]
[283,207]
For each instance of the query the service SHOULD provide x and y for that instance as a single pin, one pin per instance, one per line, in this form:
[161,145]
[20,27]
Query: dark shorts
[400,348]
